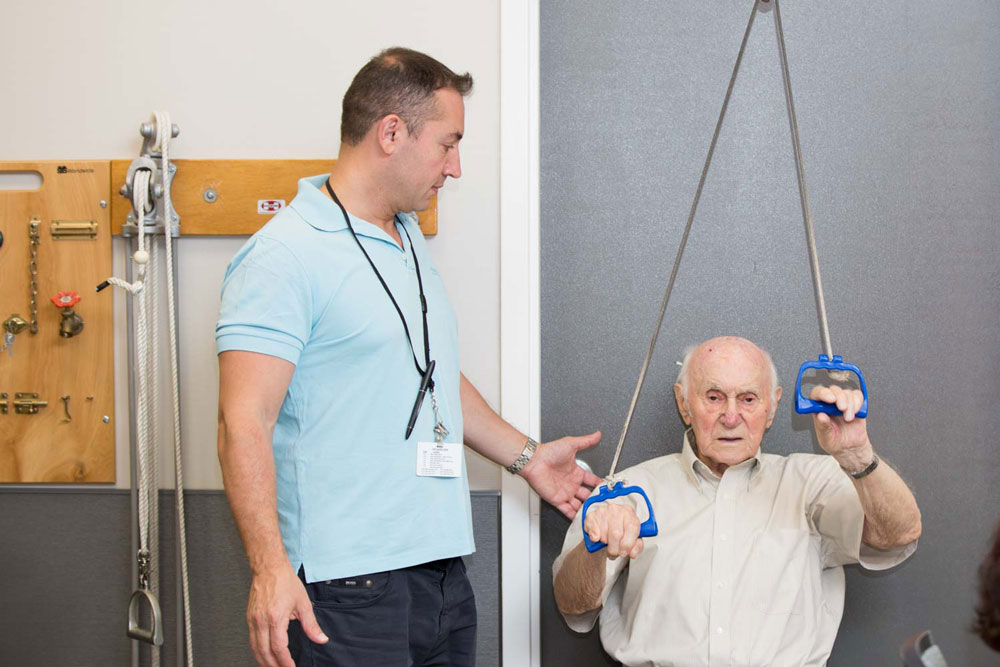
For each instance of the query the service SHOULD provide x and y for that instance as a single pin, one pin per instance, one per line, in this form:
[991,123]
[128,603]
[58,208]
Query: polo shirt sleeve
[613,568]
[836,514]
[266,304]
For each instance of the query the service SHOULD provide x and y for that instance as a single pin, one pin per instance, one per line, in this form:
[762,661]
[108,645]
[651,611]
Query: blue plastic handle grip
[646,529]
[805,406]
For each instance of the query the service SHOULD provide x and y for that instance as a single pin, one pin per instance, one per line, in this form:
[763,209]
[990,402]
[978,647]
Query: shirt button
[368,583]
[723,537]
[721,584]
[718,630]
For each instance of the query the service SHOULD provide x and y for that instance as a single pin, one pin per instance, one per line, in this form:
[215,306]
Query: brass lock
[27,403]
[15,324]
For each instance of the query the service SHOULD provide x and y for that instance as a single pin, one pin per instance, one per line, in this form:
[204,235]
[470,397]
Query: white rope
[142,418]
[141,206]
[152,366]
[146,257]
[164,134]
[146,468]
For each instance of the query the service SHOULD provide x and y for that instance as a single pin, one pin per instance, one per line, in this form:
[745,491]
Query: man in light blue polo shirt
[342,408]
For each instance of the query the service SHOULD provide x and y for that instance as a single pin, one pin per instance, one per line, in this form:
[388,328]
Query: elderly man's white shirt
[745,570]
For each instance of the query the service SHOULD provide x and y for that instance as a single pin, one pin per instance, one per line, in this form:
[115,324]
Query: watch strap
[522,460]
[866,471]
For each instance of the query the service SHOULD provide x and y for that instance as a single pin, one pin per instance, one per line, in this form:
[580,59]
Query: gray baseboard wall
[65,570]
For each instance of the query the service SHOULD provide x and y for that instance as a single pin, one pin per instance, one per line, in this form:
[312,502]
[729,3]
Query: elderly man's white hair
[682,374]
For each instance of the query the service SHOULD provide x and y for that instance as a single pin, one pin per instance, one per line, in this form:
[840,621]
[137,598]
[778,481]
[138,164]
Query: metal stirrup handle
[153,636]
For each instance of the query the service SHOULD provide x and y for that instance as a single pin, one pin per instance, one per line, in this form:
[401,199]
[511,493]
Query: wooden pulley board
[234,197]
[57,391]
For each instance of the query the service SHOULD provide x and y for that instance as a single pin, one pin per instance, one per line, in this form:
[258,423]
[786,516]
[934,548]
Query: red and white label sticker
[270,206]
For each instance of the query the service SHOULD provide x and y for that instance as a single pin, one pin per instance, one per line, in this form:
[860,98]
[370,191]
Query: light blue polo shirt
[349,499]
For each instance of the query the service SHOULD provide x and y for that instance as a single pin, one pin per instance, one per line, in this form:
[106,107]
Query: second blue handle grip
[805,405]
[646,529]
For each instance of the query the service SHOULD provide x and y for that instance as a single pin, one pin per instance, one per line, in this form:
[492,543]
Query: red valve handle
[65,299]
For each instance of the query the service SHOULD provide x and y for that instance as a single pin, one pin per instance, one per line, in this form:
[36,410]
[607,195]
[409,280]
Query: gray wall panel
[898,114]
[484,573]
[64,573]
[63,579]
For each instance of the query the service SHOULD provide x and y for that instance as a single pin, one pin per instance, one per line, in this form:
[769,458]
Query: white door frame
[519,321]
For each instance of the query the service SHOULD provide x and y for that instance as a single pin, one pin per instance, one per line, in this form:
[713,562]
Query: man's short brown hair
[397,81]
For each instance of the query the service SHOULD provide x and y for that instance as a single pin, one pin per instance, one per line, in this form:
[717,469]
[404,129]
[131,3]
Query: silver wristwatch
[522,460]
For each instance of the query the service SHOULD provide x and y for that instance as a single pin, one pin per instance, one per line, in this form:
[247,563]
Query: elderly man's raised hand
[618,526]
[845,437]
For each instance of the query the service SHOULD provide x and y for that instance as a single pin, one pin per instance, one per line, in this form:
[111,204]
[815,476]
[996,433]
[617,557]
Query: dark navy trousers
[419,616]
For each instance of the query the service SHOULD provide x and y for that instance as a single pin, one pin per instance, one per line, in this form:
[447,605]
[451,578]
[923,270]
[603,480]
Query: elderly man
[747,566]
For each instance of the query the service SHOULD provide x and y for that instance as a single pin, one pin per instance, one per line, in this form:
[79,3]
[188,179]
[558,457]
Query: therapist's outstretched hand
[275,598]
[554,475]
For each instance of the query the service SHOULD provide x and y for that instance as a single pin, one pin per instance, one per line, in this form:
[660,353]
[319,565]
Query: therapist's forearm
[485,431]
[249,479]
[580,581]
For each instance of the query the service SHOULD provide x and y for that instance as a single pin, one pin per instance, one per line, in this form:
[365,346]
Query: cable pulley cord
[164,133]
[146,363]
[140,193]
[141,205]
[146,476]
[683,243]
[803,191]
[146,480]
[150,297]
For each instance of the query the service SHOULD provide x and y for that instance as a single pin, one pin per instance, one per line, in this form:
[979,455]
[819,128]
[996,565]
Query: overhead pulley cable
[683,243]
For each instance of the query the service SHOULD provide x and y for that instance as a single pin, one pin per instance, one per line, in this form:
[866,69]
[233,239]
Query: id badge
[439,459]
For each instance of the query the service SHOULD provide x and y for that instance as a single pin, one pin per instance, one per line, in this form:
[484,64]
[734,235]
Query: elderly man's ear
[774,408]
[682,406]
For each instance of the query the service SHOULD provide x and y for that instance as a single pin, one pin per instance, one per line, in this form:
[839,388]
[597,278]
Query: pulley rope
[164,134]
[803,197]
[146,258]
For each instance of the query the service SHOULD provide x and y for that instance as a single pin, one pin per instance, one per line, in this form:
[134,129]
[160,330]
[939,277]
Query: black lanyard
[423,301]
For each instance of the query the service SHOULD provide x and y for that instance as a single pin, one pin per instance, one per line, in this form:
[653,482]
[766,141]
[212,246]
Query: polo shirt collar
[321,212]
[694,468]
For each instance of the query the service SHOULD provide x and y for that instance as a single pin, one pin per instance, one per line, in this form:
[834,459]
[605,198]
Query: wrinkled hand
[845,437]
[276,598]
[618,526]
[554,475]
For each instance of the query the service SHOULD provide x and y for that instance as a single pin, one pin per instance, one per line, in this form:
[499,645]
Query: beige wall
[255,79]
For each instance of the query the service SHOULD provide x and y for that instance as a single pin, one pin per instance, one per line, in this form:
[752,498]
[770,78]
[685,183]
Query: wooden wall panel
[45,447]
[238,185]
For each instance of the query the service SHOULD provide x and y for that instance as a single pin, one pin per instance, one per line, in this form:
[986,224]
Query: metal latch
[27,403]
[3,403]
[73,229]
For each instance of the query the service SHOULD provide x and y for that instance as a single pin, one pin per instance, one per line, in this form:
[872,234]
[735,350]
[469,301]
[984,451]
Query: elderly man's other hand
[845,437]
[616,525]
[554,475]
